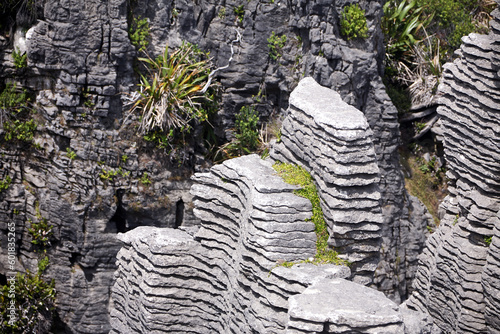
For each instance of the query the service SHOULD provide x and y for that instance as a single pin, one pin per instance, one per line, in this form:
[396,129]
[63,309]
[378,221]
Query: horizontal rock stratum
[223,276]
[457,282]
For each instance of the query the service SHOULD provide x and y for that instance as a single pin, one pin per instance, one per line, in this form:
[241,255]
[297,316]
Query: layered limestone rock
[457,280]
[223,277]
[334,142]
[81,68]
[316,48]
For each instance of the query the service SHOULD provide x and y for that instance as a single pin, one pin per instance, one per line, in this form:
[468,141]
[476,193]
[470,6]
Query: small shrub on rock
[353,22]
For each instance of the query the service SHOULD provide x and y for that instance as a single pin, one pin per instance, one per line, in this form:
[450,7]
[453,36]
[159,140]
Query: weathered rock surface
[457,279]
[220,280]
[81,69]
[223,277]
[334,142]
[341,306]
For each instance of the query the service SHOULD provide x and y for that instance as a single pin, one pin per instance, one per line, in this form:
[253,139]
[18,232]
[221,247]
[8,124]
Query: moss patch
[297,175]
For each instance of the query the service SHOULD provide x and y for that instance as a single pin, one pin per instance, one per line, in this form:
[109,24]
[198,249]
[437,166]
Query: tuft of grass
[172,99]
[298,175]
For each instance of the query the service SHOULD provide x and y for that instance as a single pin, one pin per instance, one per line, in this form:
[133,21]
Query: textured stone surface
[334,142]
[344,307]
[220,280]
[81,69]
[457,279]
[223,276]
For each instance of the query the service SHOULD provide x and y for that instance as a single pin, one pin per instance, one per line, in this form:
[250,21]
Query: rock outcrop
[334,142]
[81,68]
[458,277]
[224,277]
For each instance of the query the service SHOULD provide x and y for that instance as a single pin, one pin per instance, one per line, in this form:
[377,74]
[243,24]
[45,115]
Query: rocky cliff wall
[223,277]
[334,142]
[80,67]
[457,280]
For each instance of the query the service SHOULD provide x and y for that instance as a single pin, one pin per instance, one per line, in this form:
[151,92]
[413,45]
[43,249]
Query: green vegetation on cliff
[298,175]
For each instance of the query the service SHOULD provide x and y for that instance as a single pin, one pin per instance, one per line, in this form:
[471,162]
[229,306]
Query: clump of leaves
[275,45]
[239,11]
[34,304]
[20,59]
[139,33]
[247,138]
[353,22]
[5,183]
[15,115]
[298,175]
[145,179]
[172,98]
[13,100]
[70,153]
[21,131]
[41,233]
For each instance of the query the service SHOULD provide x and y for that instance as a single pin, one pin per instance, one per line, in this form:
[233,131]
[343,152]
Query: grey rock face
[80,59]
[334,142]
[81,68]
[457,280]
[220,280]
[341,306]
[224,277]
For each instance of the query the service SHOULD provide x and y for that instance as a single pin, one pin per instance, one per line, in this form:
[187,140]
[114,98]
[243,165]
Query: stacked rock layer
[457,281]
[222,278]
[219,280]
[334,142]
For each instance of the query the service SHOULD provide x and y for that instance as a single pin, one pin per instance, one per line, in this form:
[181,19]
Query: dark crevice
[74,258]
[179,213]
[118,223]
[89,273]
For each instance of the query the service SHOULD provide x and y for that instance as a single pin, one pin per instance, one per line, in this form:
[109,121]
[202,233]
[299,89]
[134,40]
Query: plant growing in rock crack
[275,45]
[15,115]
[41,233]
[239,11]
[109,175]
[70,153]
[139,33]
[172,97]
[353,22]
[297,175]
[145,179]
[33,297]
[5,183]
[222,13]
[247,138]
[20,59]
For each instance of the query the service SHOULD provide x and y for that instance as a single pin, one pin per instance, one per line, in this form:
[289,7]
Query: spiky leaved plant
[171,97]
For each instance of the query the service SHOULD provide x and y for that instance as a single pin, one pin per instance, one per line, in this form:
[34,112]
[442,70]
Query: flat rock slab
[308,273]
[344,303]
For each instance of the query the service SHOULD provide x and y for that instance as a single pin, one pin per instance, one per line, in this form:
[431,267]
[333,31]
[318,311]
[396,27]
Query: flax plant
[170,98]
